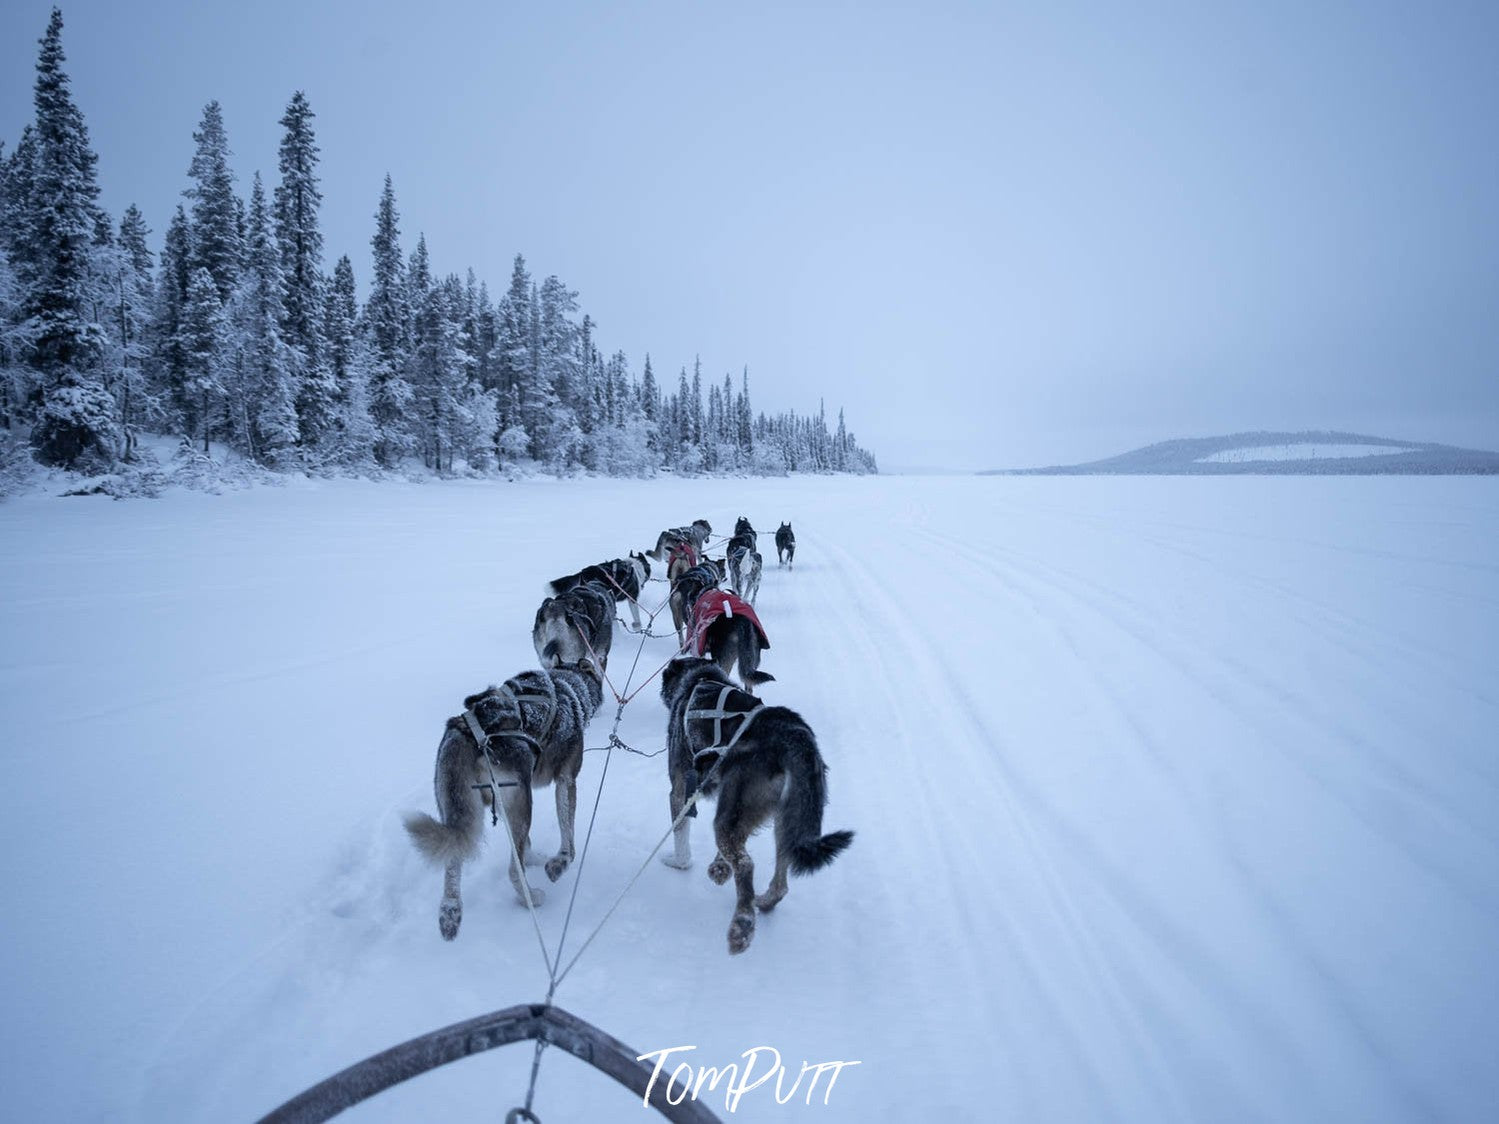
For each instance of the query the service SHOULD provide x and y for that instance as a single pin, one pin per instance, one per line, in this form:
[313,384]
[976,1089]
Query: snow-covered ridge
[1307,451]
[1318,452]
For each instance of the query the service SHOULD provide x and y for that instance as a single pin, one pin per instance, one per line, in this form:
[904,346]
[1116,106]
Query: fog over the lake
[997,235]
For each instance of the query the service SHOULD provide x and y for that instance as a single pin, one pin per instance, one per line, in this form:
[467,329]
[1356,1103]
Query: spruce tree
[76,427]
[205,332]
[386,322]
[300,243]
[265,390]
[217,223]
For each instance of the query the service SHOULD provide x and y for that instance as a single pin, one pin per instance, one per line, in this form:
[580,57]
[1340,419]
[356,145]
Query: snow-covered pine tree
[263,402]
[300,242]
[512,355]
[217,223]
[167,366]
[76,426]
[385,321]
[348,363]
[205,332]
[134,300]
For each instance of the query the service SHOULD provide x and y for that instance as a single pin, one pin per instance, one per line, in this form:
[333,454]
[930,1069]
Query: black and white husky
[785,544]
[745,565]
[577,626]
[761,762]
[623,577]
[696,535]
[525,734]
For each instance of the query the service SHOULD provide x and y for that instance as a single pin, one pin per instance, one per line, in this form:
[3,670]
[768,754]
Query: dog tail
[758,677]
[456,835]
[801,807]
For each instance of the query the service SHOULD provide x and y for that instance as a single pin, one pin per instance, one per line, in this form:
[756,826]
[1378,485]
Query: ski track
[1171,802]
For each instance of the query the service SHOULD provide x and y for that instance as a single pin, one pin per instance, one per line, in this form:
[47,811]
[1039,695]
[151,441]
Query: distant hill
[1320,452]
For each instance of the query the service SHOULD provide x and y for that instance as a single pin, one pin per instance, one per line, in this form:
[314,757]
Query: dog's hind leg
[732,853]
[681,856]
[567,803]
[777,888]
[517,804]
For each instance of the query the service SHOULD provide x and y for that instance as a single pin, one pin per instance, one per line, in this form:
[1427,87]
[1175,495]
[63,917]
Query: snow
[1301,452]
[1175,799]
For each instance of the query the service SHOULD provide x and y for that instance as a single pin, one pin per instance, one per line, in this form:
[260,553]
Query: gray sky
[998,234]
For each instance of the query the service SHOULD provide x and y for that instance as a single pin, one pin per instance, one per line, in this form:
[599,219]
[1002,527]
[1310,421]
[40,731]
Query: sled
[529,1021]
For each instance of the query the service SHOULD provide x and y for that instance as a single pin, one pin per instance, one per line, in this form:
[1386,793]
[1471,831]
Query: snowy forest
[233,335]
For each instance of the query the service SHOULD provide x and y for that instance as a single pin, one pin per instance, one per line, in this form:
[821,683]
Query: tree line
[234,333]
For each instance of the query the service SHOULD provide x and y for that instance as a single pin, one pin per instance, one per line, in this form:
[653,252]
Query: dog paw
[449,914]
[556,865]
[768,901]
[741,932]
[676,863]
[719,870]
[537,896]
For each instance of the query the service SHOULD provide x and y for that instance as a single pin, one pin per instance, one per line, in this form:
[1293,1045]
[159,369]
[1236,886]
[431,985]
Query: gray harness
[719,713]
[508,692]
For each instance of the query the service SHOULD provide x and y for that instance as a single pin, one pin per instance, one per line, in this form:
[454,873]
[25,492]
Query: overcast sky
[999,235]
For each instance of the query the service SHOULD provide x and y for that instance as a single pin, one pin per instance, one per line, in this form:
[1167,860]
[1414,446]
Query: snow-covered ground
[1175,800]
[1302,452]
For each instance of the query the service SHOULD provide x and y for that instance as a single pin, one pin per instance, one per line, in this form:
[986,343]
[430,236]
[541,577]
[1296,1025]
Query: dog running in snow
[772,769]
[696,534]
[727,631]
[529,733]
[785,545]
[744,561]
[623,577]
[575,626]
[687,587]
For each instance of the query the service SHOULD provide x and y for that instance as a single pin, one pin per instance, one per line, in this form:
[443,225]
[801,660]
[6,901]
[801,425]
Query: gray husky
[695,535]
[761,762]
[522,735]
[623,577]
[576,626]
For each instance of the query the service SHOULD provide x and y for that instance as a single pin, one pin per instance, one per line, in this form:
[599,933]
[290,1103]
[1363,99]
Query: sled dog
[576,626]
[624,578]
[697,534]
[688,587]
[727,631]
[785,544]
[745,565]
[772,769]
[525,734]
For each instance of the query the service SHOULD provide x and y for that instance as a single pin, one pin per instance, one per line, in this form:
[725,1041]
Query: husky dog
[697,535]
[726,630]
[785,544]
[741,555]
[624,578]
[576,626]
[768,766]
[688,587]
[523,735]
[745,566]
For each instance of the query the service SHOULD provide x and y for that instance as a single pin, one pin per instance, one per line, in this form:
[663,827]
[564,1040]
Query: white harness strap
[718,714]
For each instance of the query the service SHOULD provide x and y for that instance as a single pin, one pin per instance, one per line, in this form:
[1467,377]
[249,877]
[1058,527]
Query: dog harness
[714,604]
[509,692]
[746,708]
[682,549]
